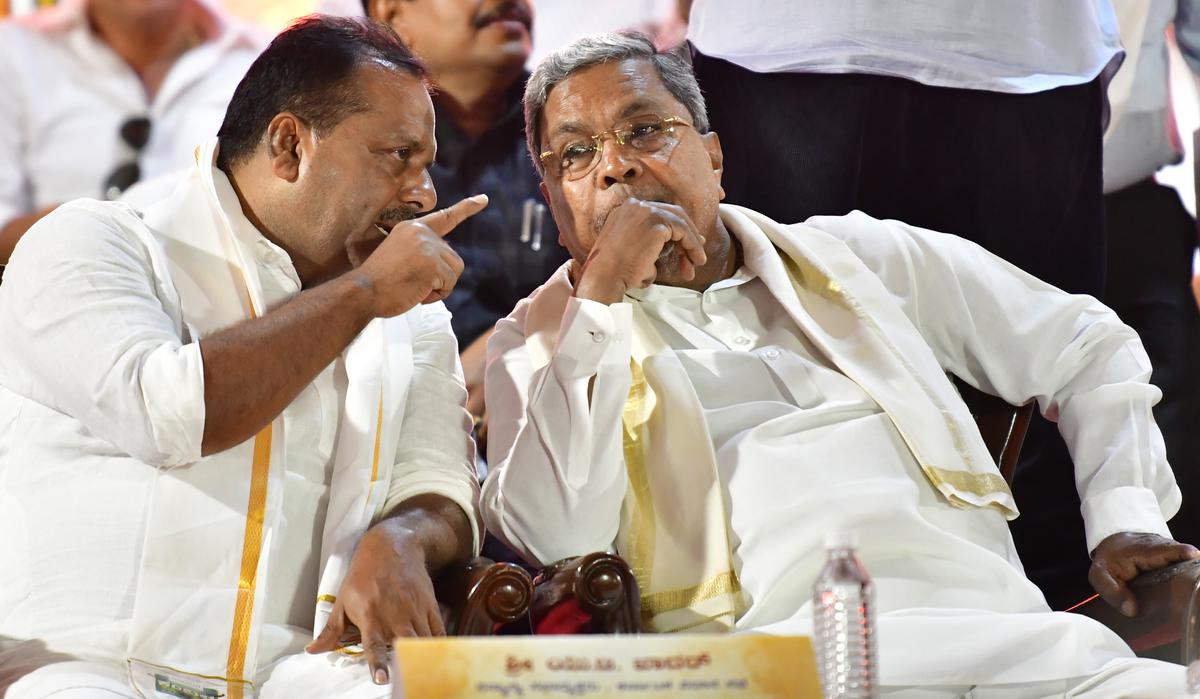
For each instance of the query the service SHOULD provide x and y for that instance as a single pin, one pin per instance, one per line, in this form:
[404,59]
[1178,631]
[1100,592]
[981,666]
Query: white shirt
[1001,46]
[64,95]
[802,450]
[994,325]
[98,391]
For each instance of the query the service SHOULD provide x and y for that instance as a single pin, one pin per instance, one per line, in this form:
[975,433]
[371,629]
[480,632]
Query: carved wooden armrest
[480,595]
[595,594]
[1162,597]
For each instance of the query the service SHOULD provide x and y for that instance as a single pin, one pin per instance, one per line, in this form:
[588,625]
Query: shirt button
[741,340]
[772,353]
[599,336]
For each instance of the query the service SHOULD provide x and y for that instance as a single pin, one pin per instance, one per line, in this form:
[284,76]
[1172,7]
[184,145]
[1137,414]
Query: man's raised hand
[414,264]
[628,248]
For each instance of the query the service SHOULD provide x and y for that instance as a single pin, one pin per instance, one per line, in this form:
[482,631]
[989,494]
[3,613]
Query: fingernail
[380,676]
[1127,608]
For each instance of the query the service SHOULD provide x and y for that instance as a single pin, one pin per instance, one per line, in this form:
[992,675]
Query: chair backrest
[1002,424]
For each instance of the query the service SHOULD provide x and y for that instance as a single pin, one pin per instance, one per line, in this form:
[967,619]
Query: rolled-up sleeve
[558,476]
[87,333]
[435,454]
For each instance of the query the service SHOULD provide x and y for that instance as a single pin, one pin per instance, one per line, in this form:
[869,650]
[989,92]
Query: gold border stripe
[327,598]
[375,458]
[251,552]
[641,523]
[378,436]
[668,600]
[243,611]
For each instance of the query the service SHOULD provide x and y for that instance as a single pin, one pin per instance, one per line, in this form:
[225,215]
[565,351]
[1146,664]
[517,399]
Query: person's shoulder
[862,233]
[88,231]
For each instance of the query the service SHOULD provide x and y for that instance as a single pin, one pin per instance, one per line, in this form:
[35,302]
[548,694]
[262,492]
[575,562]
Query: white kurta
[101,387]
[801,449]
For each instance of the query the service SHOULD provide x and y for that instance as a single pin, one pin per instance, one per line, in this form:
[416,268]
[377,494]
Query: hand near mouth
[641,243]
[414,264]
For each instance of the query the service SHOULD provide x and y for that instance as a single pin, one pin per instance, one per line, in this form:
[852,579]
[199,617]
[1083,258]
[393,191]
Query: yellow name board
[735,665]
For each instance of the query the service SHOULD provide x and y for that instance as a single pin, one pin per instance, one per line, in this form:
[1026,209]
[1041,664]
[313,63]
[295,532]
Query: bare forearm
[253,370]
[435,525]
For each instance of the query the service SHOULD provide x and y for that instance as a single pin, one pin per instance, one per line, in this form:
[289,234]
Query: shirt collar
[265,252]
[757,251]
[662,292]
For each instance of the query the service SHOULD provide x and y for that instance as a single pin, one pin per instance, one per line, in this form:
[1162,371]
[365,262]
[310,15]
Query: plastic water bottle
[844,623]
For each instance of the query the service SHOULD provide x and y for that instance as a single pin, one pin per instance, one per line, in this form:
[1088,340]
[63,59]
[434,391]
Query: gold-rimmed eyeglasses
[649,133]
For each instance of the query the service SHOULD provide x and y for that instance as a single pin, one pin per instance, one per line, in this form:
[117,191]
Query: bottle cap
[841,539]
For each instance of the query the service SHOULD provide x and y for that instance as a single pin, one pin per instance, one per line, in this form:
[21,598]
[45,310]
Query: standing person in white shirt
[97,94]
[709,392]
[234,420]
[980,118]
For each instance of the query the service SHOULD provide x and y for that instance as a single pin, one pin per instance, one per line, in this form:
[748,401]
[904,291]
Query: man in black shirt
[476,54]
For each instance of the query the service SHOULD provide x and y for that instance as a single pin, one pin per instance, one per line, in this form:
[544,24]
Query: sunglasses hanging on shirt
[135,132]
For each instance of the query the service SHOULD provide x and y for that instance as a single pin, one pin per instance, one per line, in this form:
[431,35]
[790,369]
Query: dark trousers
[1151,239]
[1018,174]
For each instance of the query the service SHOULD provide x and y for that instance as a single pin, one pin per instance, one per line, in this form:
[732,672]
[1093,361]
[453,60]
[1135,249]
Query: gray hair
[673,68]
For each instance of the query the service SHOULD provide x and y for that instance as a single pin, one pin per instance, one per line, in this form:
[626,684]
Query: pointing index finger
[444,221]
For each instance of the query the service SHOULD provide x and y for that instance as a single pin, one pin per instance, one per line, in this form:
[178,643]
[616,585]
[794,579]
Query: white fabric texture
[86,436]
[1015,46]
[778,411]
[64,95]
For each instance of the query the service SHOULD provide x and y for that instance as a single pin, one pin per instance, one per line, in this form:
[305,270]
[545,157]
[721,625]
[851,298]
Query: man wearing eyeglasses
[709,392]
[232,423]
[96,95]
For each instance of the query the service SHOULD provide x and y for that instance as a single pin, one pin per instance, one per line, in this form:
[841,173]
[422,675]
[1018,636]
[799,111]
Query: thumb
[1112,590]
[444,221]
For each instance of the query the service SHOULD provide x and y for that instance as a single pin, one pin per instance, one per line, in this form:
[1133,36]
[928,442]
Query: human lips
[508,13]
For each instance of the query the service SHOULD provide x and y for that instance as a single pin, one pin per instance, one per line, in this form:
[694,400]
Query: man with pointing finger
[711,393]
[265,439]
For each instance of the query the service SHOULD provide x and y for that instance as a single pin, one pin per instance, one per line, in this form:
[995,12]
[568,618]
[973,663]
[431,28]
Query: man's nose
[420,194]
[617,165]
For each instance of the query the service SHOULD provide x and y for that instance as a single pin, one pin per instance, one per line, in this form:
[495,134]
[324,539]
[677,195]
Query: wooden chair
[1163,595]
[481,596]
[592,594]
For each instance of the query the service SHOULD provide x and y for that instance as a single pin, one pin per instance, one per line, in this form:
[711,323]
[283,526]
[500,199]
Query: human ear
[286,135]
[716,156]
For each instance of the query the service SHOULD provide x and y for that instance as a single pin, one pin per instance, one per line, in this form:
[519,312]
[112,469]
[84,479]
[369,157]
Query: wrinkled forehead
[597,97]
